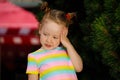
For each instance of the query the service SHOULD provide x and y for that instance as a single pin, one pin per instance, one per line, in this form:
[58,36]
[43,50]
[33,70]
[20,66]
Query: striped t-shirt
[51,64]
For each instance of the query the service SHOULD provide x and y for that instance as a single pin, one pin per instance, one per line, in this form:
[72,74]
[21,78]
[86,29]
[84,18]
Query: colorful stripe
[57,73]
[57,70]
[50,64]
[62,77]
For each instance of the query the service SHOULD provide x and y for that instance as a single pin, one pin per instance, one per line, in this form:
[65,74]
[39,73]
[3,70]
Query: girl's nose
[49,39]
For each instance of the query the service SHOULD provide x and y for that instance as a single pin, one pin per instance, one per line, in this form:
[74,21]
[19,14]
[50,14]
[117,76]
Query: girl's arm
[75,58]
[32,76]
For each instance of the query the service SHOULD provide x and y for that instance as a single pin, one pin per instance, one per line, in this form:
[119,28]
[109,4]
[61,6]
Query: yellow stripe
[31,59]
[32,72]
[52,56]
[56,68]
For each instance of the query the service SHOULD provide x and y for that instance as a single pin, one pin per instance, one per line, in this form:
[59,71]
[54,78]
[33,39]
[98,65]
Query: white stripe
[17,40]
[3,31]
[2,40]
[24,31]
[34,41]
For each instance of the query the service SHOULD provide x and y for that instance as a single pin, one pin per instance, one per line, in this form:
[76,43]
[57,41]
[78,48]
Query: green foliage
[93,9]
[117,13]
[104,43]
[104,36]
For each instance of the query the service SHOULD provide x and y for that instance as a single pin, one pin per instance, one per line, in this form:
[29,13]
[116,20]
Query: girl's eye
[45,34]
[55,37]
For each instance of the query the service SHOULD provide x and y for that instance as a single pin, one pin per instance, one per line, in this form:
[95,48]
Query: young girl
[56,59]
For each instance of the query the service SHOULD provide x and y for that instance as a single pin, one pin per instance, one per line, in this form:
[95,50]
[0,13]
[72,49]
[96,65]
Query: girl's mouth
[47,45]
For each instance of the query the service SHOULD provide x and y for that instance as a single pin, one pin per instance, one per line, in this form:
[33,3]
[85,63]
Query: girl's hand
[64,39]
[75,58]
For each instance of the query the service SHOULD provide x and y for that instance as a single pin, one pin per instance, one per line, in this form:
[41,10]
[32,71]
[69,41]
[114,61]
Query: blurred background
[94,32]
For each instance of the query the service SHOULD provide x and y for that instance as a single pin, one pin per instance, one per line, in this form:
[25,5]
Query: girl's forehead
[51,25]
[52,31]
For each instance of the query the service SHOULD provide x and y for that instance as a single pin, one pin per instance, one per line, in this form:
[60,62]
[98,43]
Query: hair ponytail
[44,7]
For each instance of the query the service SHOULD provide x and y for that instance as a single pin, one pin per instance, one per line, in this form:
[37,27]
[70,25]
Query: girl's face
[50,35]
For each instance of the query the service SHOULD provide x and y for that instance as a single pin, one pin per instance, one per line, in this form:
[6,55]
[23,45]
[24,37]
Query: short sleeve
[32,65]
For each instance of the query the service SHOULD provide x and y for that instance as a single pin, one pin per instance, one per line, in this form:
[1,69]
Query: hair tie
[68,17]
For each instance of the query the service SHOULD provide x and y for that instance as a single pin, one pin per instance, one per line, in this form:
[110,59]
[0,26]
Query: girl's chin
[48,48]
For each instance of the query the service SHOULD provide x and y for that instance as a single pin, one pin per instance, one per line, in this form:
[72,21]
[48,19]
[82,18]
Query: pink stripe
[31,68]
[59,63]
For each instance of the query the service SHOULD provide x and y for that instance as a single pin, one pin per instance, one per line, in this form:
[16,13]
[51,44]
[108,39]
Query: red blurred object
[12,16]
[16,21]
[18,37]
[3,0]
[19,40]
